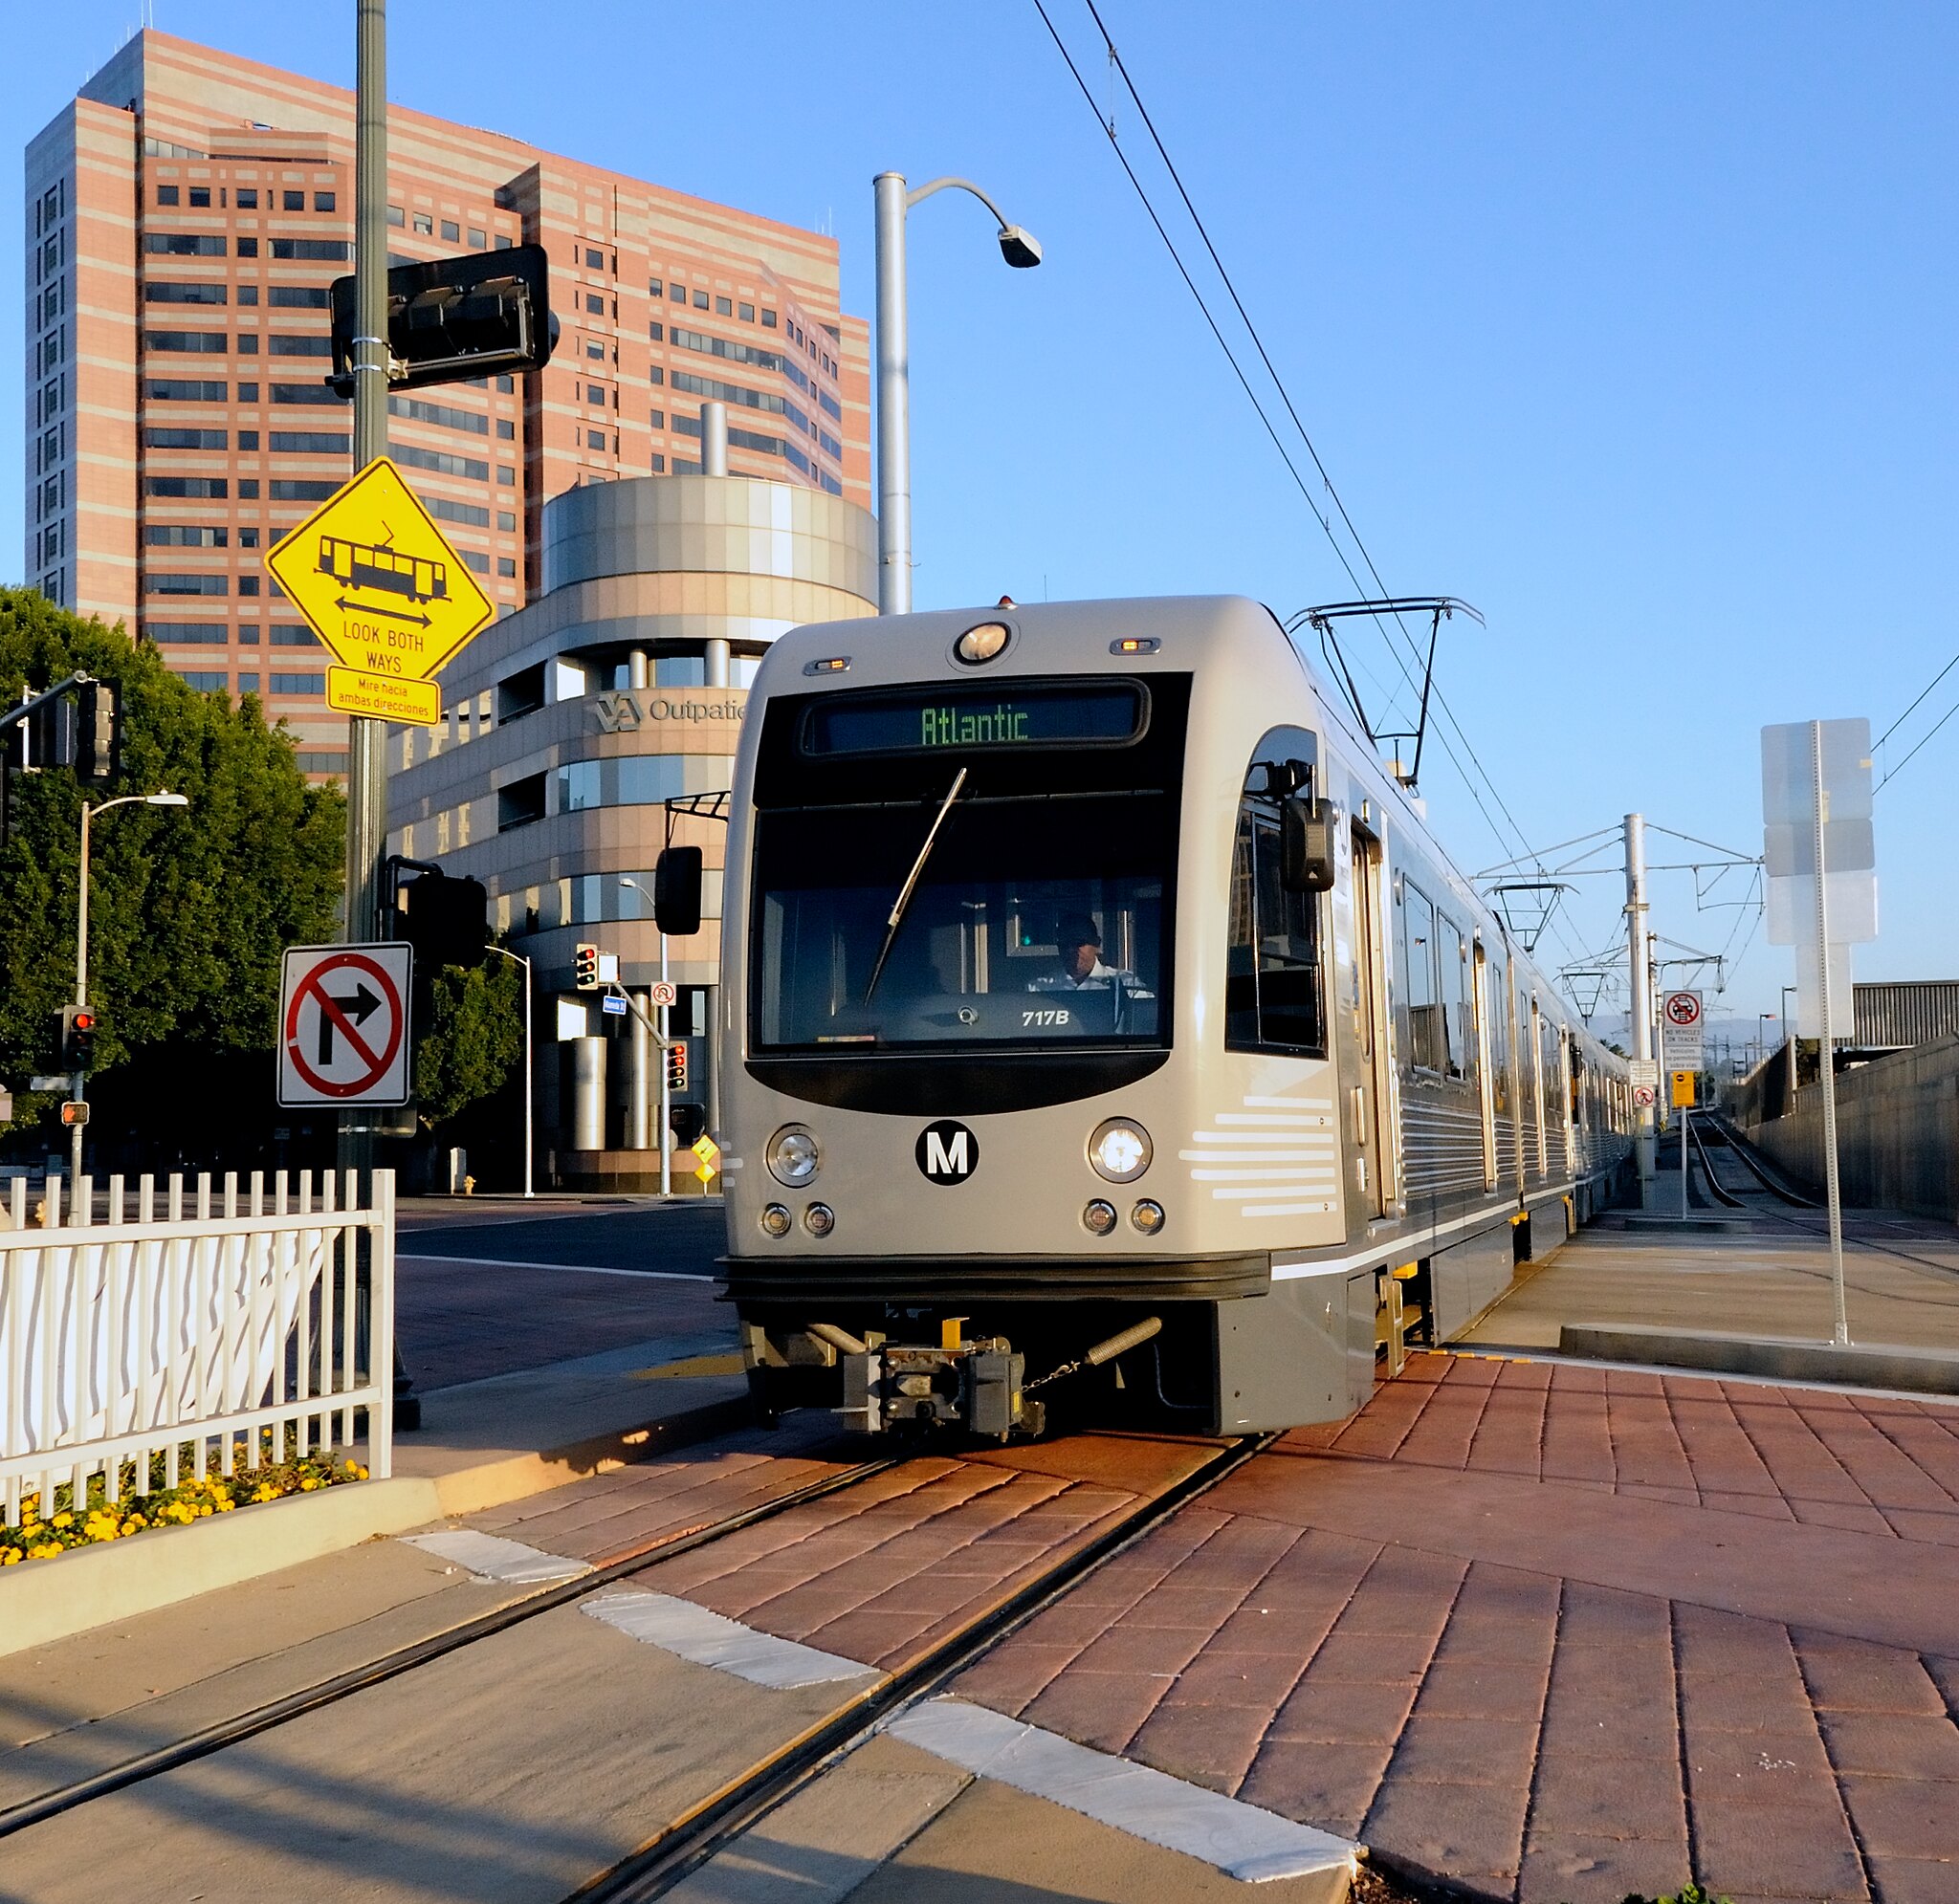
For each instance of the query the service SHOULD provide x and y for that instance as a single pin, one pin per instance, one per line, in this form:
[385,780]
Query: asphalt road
[669,1240]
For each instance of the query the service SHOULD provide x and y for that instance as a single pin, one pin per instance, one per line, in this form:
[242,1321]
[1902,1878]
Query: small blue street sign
[614,1005]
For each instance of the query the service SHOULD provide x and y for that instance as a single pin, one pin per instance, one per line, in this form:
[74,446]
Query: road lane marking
[1247,1842]
[570,1268]
[710,1639]
[489,1557]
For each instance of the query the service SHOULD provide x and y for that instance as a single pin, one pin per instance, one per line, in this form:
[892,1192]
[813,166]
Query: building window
[294,201]
[396,216]
[659,463]
[451,232]
[205,489]
[166,194]
[424,223]
[157,582]
[299,683]
[298,297]
[322,201]
[247,634]
[658,419]
[469,512]
[446,415]
[248,293]
[768,320]
[188,245]
[247,198]
[506,429]
[200,198]
[248,585]
[248,537]
[594,260]
[305,393]
[442,463]
[595,393]
[676,293]
[205,343]
[595,350]
[520,803]
[293,634]
[595,304]
[248,683]
[248,490]
[595,439]
[248,343]
[156,293]
[746,313]
[503,243]
[281,344]
[724,307]
[186,439]
[506,567]
[323,763]
[248,393]
[506,476]
[701,300]
[205,682]
[477,239]
[248,248]
[183,536]
[182,390]
[287,489]
[198,634]
[312,251]
[506,520]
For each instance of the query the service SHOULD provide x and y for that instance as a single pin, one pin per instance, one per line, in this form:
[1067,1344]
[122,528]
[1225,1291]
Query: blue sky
[1631,326]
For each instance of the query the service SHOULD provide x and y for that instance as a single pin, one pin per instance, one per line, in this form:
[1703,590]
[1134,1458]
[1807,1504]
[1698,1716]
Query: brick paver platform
[1553,1633]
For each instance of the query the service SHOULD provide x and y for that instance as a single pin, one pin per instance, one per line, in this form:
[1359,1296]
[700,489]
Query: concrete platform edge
[1876,1365]
[47,1600]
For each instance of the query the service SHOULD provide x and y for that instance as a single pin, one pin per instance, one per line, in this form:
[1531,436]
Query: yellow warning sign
[380,584]
[1683,1082]
[383,697]
[710,1154]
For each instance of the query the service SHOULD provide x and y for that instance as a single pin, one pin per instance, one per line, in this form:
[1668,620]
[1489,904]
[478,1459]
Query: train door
[1539,1113]
[1370,1102]
[1486,1068]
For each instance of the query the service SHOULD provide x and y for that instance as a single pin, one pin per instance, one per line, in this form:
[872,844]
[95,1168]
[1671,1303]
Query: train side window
[1457,1029]
[1428,1042]
[1274,998]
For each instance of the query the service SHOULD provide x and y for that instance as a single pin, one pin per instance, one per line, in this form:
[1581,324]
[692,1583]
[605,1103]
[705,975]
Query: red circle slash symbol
[342,1015]
[1682,1008]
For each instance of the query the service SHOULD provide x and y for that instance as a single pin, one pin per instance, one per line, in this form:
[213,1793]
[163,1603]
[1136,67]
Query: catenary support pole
[1826,1043]
[1645,1141]
[366,755]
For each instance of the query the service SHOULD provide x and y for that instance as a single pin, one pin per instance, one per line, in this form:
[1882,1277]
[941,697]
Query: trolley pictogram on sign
[1682,1008]
[344,1025]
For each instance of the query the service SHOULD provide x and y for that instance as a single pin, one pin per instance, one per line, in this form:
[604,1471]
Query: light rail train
[1108,1041]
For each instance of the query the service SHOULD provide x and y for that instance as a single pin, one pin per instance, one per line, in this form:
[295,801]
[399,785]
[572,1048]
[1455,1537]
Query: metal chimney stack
[714,439]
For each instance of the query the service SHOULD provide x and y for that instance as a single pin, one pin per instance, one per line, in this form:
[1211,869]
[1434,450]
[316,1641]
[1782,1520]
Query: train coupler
[972,1385]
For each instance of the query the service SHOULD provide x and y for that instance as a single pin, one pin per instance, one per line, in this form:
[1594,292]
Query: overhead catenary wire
[1438,700]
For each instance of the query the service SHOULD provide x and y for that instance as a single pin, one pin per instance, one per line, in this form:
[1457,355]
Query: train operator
[1081,969]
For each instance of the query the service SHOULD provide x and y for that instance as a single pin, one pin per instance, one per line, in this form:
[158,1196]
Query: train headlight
[819,1219]
[774,1219]
[793,1156]
[1099,1216]
[1147,1216]
[982,644]
[1120,1151]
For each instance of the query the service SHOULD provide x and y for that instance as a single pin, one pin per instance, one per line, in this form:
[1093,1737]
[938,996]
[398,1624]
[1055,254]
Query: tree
[474,1038]
[189,911]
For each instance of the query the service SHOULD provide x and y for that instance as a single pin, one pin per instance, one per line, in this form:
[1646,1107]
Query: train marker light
[819,1219]
[983,644]
[1135,645]
[774,1219]
[1099,1216]
[1147,1216]
[1120,1151]
[793,1156]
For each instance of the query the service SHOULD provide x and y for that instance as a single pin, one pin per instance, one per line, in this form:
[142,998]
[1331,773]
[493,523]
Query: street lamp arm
[920,193]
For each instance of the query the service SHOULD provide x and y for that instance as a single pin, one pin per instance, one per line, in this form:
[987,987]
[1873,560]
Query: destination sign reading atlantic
[385,591]
[1077,714]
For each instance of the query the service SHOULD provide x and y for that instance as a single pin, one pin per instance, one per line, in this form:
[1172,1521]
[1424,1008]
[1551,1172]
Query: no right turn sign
[344,1025]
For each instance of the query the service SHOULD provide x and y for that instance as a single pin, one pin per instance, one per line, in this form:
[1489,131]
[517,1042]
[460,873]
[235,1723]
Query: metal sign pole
[1641,1016]
[666,1089]
[1827,1046]
[366,757]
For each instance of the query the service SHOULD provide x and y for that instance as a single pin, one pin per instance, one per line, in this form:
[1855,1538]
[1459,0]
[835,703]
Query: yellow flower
[63,1519]
[9,1556]
[265,1491]
[135,1524]
[225,1505]
[309,1483]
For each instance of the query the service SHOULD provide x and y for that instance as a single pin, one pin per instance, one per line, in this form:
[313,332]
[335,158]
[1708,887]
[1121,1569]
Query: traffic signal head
[99,731]
[446,920]
[676,892]
[77,1036]
[584,968]
[455,317]
[677,1067]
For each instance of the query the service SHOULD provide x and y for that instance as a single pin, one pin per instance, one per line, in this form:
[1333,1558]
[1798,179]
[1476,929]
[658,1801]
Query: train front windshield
[1012,895]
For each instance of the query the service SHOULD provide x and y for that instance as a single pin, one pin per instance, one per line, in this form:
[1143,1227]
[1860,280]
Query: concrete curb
[89,1586]
[1873,1366]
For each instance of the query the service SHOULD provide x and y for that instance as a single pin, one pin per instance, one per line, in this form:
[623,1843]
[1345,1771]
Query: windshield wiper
[904,899]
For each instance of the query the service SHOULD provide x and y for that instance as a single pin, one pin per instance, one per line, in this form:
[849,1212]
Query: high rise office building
[186,213]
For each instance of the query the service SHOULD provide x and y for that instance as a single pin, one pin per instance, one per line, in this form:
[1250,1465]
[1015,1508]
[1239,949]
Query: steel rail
[232,1731]
[689,1840]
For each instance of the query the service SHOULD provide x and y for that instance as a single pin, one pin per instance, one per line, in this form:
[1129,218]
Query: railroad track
[694,1832]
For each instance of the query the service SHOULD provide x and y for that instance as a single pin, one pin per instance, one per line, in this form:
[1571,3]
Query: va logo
[615,713]
[947,1153]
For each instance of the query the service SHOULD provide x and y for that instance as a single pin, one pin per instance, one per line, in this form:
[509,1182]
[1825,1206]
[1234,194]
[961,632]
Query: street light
[1021,249]
[77,1082]
[530,1069]
[665,1087]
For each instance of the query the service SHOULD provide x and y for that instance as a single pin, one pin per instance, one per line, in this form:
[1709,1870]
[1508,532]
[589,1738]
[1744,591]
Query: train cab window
[1274,998]
[1458,1028]
[1436,980]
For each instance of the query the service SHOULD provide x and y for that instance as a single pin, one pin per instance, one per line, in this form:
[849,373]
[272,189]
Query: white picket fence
[189,1321]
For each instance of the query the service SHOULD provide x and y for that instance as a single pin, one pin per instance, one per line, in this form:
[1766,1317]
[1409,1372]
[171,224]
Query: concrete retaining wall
[1897,1132]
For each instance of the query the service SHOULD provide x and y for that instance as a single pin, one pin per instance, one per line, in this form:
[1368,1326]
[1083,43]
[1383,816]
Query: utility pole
[366,755]
[1826,1044]
[1644,1138]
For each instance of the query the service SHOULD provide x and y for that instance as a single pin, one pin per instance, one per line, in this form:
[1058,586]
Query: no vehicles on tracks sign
[344,1025]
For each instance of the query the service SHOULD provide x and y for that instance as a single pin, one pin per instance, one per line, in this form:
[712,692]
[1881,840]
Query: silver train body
[1113,1077]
